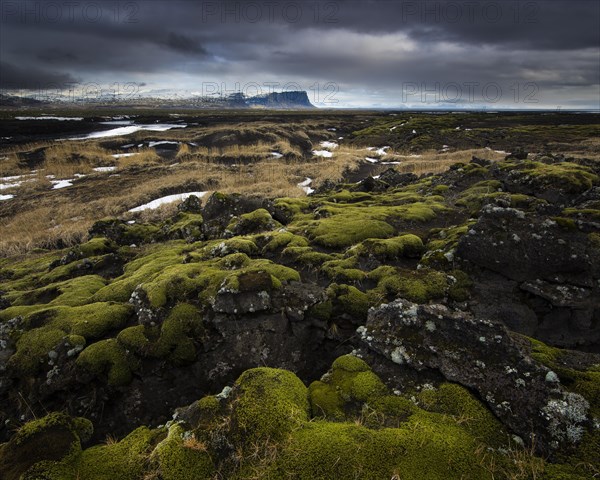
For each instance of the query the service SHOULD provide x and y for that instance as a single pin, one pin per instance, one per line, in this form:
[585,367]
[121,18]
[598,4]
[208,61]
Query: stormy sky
[345,53]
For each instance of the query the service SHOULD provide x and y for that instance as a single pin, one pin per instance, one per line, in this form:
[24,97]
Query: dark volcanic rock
[525,395]
[545,280]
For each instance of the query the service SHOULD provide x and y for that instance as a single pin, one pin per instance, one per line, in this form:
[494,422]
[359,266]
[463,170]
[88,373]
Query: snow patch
[305,186]
[120,131]
[322,153]
[164,200]
[61,119]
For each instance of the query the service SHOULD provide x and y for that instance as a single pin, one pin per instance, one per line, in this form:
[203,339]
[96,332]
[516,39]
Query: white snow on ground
[62,119]
[382,151]
[305,186]
[393,128]
[414,131]
[104,169]
[122,155]
[61,183]
[6,186]
[118,122]
[120,131]
[390,163]
[129,145]
[329,145]
[371,160]
[322,153]
[164,200]
[162,142]
[6,197]
[457,128]
[276,154]
[340,138]
[415,156]
[332,129]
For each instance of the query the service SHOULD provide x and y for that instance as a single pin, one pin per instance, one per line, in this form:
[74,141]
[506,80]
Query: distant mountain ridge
[275,100]
[294,99]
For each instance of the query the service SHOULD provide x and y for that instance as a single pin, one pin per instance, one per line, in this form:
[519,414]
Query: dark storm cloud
[184,44]
[14,77]
[362,45]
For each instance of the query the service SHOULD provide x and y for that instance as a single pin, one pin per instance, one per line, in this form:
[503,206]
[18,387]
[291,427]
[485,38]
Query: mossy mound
[263,428]
[270,404]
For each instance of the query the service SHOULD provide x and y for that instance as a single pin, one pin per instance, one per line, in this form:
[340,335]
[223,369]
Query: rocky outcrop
[481,355]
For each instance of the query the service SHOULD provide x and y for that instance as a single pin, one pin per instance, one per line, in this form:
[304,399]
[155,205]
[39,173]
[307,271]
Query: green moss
[566,176]
[403,246]
[180,457]
[343,231]
[187,226]
[257,221]
[97,246]
[354,380]
[270,404]
[350,363]
[51,439]
[321,311]
[178,331]
[125,460]
[202,280]
[94,320]
[32,349]
[419,286]
[585,213]
[349,300]
[292,206]
[456,401]
[175,341]
[307,256]
[107,358]
[460,285]
[142,269]
[565,223]
[281,240]
[325,401]
[427,450]
[344,270]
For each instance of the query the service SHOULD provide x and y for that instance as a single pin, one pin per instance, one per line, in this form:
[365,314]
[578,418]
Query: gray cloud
[367,47]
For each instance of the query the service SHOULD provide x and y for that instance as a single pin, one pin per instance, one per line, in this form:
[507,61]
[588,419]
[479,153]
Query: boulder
[482,355]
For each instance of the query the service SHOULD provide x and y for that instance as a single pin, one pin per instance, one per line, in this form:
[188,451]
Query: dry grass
[142,157]
[59,219]
[432,161]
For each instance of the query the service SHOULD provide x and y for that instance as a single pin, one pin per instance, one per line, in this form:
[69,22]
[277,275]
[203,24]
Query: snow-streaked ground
[276,154]
[61,119]
[129,129]
[162,142]
[58,184]
[6,197]
[121,155]
[305,185]
[164,200]
[322,153]
[104,169]
[329,145]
